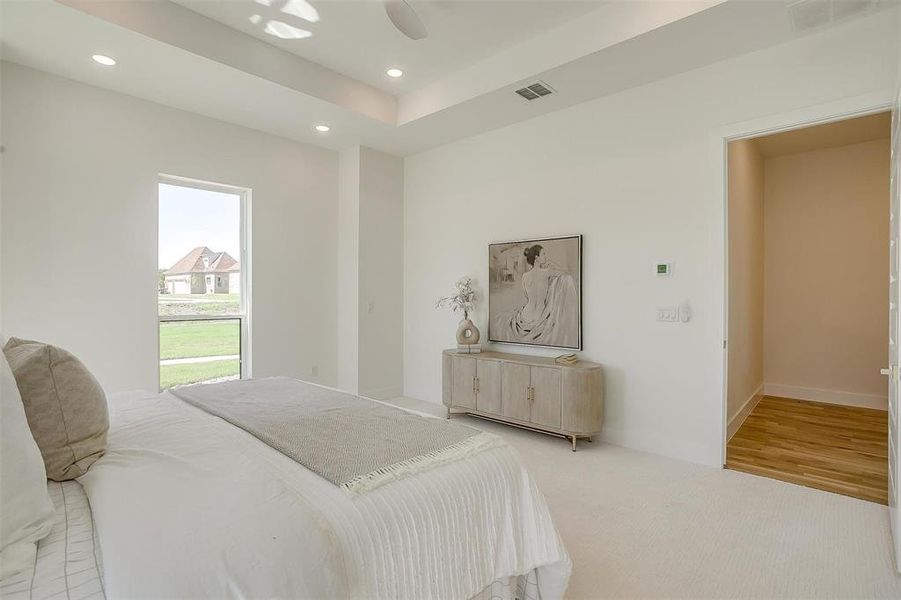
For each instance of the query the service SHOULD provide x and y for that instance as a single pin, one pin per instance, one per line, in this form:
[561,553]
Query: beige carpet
[642,526]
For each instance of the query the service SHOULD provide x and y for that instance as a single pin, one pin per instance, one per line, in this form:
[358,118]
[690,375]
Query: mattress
[68,565]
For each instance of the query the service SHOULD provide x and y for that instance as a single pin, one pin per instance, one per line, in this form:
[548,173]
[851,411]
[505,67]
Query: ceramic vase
[467,333]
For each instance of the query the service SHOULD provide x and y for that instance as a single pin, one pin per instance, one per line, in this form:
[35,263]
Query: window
[203,327]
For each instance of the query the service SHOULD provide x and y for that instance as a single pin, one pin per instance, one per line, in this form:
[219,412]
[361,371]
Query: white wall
[349,269]
[381,322]
[635,174]
[79,196]
[2,172]
[370,279]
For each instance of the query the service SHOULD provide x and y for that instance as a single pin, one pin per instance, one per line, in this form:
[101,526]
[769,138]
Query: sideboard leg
[589,439]
[574,443]
[448,412]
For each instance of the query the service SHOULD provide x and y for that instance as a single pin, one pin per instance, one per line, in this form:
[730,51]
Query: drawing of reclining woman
[550,315]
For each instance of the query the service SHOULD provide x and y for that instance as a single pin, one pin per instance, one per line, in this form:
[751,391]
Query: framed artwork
[535,292]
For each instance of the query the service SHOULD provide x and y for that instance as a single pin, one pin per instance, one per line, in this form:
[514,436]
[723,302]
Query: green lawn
[199,338]
[198,304]
[193,339]
[172,375]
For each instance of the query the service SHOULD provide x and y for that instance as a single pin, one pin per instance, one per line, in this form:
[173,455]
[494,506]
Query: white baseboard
[828,396]
[738,418]
[383,393]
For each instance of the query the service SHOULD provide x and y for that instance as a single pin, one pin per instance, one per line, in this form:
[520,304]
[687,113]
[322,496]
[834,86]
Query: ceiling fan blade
[405,19]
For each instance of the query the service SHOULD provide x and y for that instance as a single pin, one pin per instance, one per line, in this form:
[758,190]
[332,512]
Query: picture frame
[543,309]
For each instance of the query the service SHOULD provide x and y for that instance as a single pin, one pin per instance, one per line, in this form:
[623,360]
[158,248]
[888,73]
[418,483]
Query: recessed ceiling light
[394,73]
[323,128]
[106,61]
[285,31]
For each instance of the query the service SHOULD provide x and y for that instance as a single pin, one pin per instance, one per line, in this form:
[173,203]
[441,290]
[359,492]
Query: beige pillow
[64,404]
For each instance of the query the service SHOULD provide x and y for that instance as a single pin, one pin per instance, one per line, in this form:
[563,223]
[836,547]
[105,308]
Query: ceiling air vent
[808,14]
[535,91]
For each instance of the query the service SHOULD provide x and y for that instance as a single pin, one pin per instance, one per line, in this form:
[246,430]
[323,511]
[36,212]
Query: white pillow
[26,511]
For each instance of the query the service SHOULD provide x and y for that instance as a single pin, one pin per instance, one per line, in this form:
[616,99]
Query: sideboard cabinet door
[515,381]
[464,386]
[546,396]
[488,389]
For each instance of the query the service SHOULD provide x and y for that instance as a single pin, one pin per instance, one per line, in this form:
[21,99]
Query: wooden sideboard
[526,391]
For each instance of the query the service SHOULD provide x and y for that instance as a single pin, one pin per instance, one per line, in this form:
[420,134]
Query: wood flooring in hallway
[840,449]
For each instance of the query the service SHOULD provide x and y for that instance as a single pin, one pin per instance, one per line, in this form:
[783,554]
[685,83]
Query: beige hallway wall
[746,283]
[826,289]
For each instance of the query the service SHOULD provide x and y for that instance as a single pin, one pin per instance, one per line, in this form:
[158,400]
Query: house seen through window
[202,283]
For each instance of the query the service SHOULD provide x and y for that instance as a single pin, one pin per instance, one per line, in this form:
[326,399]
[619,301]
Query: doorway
[808,252]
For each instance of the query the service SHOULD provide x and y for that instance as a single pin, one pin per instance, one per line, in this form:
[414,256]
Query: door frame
[840,110]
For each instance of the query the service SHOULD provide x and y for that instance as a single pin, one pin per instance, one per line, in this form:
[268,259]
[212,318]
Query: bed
[187,505]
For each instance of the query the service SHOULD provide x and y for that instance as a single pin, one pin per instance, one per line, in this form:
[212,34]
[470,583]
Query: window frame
[244,316]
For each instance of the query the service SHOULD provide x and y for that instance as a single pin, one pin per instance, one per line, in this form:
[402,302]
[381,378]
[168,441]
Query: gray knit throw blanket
[355,443]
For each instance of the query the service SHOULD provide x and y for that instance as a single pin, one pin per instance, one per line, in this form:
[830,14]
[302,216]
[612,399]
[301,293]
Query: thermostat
[663,269]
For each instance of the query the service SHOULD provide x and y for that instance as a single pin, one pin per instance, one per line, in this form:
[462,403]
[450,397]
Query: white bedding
[67,566]
[188,506]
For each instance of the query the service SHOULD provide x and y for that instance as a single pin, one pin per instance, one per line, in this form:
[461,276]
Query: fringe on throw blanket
[477,443]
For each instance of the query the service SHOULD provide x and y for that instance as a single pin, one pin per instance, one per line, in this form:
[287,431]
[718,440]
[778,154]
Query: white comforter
[188,506]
